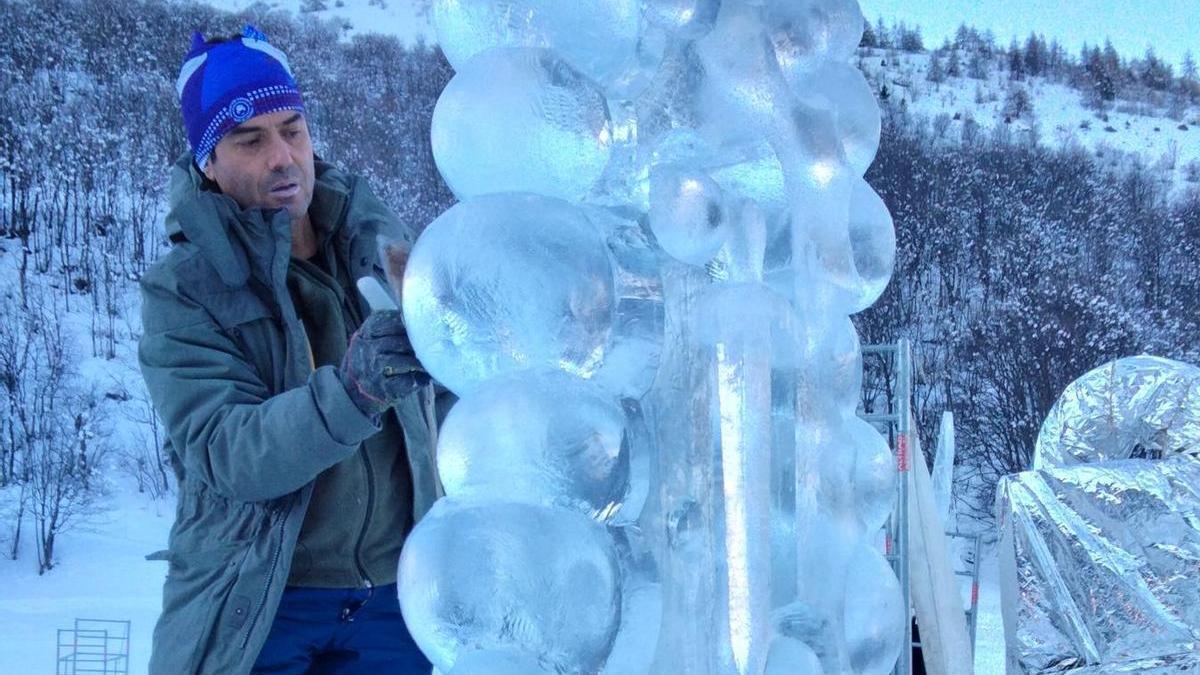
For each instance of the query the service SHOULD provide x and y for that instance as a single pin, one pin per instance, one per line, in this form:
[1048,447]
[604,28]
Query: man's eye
[293,133]
[249,143]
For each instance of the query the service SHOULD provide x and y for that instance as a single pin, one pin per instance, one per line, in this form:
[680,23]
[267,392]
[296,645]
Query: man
[300,428]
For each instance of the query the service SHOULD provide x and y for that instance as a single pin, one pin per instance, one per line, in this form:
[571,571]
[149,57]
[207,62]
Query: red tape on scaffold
[902,453]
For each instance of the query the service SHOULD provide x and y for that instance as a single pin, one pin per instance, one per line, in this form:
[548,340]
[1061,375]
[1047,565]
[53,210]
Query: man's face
[266,162]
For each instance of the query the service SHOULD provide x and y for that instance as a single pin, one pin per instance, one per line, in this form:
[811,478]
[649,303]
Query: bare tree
[145,458]
[55,437]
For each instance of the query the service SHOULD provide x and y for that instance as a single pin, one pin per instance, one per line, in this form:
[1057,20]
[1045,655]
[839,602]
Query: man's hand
[380,368]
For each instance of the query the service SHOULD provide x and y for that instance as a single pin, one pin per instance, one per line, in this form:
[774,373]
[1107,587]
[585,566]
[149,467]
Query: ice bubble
[831,369]
[543,438]
[859,473]
[873,244]
[684,18]
[814,165]
[841,89]
[687,213]
[874,613]
[874,475]
[792,657]
[497,662]
[510,576]
[641,605]
[804,33]
[507,282]
[604,39]
[826,543]
[547,128]
[800,622]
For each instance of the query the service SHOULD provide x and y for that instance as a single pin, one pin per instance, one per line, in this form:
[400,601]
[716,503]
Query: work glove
[379,367]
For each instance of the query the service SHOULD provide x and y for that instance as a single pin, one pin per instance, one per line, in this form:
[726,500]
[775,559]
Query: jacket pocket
[234,307]
[250,323]
[196,601]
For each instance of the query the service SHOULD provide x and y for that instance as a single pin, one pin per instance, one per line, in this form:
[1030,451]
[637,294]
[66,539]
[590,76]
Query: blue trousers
[333,631]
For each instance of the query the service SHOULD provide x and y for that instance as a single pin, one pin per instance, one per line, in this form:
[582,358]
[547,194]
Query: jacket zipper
[262,601]
[362,533]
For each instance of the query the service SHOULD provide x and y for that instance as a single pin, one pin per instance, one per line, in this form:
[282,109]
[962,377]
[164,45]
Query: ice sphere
[874,474]
[874,613]
[497,662]
[631,357]
[841,89]
[858,473]
[547,128]
[792,657]
[684,18]
[873,243]
[538,437]
[687,213]
[804,33]
[510,576]
[826,543]
[831,371]
[501,283]
[602,38]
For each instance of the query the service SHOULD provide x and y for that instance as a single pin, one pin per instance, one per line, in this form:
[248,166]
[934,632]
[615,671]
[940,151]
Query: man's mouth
[285,190]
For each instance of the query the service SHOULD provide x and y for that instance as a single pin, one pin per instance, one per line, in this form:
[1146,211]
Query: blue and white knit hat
[223,84]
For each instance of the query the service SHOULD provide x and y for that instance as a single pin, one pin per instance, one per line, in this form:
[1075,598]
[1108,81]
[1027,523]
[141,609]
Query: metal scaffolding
[897,419]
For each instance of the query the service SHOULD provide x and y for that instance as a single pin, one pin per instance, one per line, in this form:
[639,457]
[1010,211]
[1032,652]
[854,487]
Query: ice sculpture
[643,302]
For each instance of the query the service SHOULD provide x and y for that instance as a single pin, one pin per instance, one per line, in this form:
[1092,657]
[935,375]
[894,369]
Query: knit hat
[223,84]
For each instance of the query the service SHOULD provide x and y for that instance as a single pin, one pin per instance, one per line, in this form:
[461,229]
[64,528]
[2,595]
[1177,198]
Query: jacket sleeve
[225,426]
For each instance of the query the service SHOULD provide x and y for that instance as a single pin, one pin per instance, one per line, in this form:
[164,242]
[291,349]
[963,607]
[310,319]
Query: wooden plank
[945,641]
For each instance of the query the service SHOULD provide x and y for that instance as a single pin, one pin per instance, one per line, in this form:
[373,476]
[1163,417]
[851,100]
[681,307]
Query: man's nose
[279,153]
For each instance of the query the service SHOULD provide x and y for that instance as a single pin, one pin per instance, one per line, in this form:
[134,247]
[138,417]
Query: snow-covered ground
[102,574]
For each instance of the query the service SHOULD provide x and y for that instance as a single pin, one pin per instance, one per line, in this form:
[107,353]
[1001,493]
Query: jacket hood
[216,224]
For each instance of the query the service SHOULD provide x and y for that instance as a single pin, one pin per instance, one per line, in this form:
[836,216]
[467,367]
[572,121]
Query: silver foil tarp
[1141,406]
[1100,567]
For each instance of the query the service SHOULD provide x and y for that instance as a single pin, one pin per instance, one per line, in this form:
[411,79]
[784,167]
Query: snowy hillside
[405,19]
[1057,116]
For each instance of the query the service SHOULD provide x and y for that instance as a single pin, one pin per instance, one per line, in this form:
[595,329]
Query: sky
[1170,26]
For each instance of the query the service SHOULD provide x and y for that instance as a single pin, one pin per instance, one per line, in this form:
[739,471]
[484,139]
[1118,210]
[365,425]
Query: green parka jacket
[250,424]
